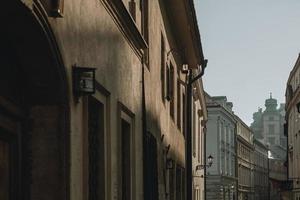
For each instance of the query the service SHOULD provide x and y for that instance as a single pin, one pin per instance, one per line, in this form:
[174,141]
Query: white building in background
[221,182]
[260,165]
[268,125]
[245,160]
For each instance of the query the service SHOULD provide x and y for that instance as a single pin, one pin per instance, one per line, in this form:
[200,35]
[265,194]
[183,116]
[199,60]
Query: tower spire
[270,95]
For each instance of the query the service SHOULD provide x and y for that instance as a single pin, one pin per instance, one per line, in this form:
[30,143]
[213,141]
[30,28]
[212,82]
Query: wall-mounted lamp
[170,163]
[83,81]
[168,149]
[209,163]
[298,107]
[58,8]
[162,137]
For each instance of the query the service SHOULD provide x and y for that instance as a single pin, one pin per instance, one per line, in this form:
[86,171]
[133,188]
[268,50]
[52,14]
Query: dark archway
[34,111]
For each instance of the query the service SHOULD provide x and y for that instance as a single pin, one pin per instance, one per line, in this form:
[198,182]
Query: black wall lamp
[58,8]
[83,81]
[298,107]
[170,163]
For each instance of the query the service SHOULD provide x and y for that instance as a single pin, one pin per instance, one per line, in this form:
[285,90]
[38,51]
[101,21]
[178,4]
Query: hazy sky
[251,47]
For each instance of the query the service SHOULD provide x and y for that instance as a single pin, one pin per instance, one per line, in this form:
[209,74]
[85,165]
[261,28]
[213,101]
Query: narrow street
[149,100]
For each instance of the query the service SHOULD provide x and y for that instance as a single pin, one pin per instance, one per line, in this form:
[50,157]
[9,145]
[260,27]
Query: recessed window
[145,19]
[171,90]
[126,147]
[178,104]
[163,68]
[96,124]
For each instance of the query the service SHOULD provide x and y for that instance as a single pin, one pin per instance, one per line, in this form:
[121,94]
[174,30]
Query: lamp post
[269,188]
[209,161]
[233,192]
[188,140]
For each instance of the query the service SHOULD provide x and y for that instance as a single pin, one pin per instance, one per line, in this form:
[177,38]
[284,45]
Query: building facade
[293,128]
[125,140]
[198,142]
[261,171]
[245,161]
[268,127]
[221,180]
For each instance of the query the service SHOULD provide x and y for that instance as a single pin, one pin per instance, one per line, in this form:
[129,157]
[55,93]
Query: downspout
[236,163]
[205,156]
[188,140]
[144,129]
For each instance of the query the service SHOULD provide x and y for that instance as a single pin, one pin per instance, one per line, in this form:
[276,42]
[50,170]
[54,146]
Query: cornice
[245,142]
[219,108]
[126,25]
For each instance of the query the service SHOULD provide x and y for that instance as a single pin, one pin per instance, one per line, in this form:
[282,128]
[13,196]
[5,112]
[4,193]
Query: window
[171,184]
[145,19]
[132,9]
[271,129]
[163,68]
[126,165]
[151,181]
[178,104]
[183,183]
[171,90]
[194,129]
[199,142]
[283,142]
[178,183]
[5,169]
[272,140]
[183,114]
[96,149]
[126,146]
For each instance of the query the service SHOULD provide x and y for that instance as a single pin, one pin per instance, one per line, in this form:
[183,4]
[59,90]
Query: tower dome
[271,104]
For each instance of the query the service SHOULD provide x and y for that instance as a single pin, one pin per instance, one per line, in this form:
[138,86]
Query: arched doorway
[33,108]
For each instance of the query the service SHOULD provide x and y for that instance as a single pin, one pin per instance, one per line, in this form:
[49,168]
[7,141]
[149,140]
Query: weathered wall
[89,37]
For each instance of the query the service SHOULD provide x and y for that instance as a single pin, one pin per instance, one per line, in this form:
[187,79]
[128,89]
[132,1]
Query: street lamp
[209,161]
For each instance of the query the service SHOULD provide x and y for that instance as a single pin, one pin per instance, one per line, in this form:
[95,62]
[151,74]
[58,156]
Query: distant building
[260,165]
[245,166]
[268,125]
[293,129]
[221,177]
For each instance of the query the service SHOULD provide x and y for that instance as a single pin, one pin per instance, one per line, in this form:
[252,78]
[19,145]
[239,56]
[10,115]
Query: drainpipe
[205,157]
[269,186]
[144,128]
[188,139]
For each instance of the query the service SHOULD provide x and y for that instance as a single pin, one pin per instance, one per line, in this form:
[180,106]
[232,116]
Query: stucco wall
[88,36]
